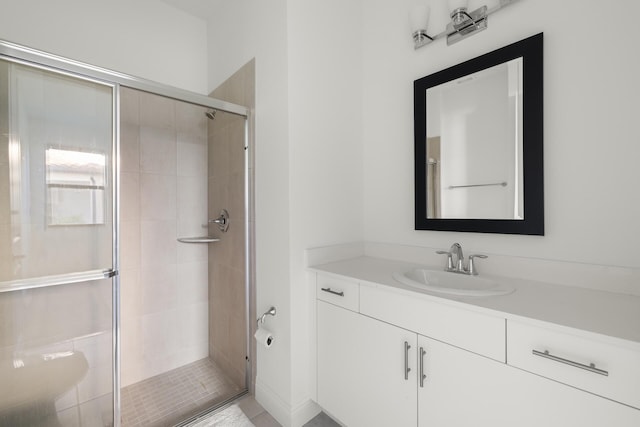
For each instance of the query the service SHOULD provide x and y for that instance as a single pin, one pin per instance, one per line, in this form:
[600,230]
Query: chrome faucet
[456,250]
[458,266]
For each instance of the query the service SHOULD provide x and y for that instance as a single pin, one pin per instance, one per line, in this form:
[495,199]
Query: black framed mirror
[479,143]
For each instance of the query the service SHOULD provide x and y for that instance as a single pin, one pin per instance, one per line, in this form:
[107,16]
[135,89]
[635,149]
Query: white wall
[239,31]
[144,38]
[308,162]
[325,147]
[589,146]
[590,142]
[334,125]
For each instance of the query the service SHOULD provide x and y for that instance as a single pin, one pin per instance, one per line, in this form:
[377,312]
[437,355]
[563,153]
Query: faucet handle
[472,268]
[449,258]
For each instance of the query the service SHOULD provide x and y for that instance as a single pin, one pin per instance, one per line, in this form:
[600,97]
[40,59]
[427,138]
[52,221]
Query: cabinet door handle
[422,374]
[591,367]
[407,369]
[331,291]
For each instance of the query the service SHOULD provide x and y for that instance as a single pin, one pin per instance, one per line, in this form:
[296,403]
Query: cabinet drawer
[477,332]
[338,291]
[601,368]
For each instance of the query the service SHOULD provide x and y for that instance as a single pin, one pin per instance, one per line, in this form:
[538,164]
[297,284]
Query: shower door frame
[46,61]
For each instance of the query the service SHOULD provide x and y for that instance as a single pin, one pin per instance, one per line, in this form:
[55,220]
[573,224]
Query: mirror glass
[475,121]
[478,148]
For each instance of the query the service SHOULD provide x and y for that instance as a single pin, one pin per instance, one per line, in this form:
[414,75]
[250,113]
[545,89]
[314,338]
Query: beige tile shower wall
[164,294]
[227,297]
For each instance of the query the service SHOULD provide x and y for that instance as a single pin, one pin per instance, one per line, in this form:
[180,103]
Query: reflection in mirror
[474,145]
[478,144]
[75,187]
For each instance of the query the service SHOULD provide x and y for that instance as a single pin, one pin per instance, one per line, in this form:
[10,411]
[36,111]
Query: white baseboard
[282,411]
[303,412]
[274,404]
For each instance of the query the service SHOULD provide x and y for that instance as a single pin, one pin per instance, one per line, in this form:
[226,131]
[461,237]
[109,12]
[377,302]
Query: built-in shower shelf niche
[205,239]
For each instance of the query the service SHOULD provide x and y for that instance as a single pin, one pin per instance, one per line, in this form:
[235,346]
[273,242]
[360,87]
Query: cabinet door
[361,369]
[464,389]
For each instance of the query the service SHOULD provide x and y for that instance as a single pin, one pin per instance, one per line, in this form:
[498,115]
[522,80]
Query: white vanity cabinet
[376,366]
[607,369]
[361,374]
[463,389]
[460,388]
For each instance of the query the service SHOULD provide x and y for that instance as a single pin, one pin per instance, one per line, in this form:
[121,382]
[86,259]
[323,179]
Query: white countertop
[612,315]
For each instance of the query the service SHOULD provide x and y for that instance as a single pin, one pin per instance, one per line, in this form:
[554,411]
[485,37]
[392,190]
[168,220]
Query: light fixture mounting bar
[476,21]
[421,38]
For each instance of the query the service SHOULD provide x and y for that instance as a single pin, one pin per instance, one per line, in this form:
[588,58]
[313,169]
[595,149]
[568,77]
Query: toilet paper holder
[270,312]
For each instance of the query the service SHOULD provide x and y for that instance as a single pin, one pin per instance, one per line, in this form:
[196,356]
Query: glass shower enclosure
[71,135]
[57,252]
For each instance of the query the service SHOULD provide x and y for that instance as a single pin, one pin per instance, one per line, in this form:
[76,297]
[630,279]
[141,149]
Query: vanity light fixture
[463,23]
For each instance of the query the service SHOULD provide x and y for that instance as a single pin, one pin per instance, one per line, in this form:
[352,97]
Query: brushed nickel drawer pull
[331,291]
[423,376]
[591,367]
[407,369]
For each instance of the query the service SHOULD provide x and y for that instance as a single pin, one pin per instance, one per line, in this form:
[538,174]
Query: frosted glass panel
[56,356]
[56,139]
[75,187]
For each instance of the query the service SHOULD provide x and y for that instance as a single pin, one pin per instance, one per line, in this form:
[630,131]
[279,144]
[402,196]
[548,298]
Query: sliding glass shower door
[57,252]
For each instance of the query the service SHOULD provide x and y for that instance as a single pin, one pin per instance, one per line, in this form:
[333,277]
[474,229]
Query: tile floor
[199,385]
[261,418]
[174,396]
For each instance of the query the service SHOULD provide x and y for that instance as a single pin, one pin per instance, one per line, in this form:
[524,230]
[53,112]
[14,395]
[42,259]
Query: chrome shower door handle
[407,369]
[422,374]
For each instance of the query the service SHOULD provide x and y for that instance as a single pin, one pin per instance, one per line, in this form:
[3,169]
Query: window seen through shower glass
[56,144]
[75,187]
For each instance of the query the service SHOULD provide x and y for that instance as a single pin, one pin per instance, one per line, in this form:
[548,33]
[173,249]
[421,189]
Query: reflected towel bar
[503,184]
[204,239]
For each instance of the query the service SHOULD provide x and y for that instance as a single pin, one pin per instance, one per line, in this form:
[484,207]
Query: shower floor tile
[172,397]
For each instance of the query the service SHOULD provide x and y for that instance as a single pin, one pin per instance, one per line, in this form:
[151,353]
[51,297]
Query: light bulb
[457,10]
[419,18]
[457,4]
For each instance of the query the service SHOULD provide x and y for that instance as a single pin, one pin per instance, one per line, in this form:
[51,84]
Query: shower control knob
[222,221]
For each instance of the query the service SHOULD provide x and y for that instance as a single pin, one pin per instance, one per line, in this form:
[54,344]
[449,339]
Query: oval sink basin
[451,283]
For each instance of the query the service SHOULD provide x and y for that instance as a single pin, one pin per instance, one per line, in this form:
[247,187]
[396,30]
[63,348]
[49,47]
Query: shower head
[211,114]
